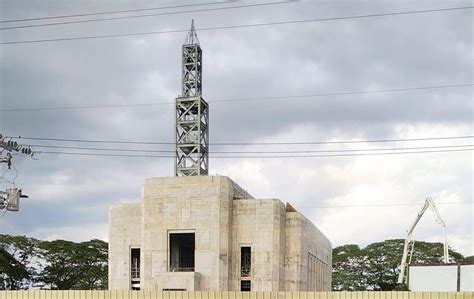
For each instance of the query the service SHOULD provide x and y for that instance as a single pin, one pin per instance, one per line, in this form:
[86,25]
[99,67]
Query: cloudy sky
[70,194]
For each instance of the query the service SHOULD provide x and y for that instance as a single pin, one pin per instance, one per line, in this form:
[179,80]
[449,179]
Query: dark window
[182,252]
[245,285]
[135,263]
[245,262]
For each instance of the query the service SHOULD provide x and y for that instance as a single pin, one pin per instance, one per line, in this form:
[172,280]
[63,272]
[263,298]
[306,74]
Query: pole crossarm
[12,146]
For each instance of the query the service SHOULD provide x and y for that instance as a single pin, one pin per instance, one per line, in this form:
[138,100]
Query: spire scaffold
[192,113]
[191,37]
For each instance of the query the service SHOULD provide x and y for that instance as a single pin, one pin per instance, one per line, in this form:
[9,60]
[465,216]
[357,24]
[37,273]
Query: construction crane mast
[409,243]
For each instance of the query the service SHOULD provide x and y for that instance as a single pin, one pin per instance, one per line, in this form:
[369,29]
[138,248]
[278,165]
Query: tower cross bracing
[192,113]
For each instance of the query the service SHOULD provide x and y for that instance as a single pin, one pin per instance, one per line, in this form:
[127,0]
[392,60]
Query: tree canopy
[58,264]
[376,266]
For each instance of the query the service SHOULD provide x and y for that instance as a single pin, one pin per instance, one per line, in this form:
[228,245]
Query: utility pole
[10,198]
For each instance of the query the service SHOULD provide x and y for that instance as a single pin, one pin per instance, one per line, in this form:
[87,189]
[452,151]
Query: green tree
[469,260]
[375,267]
[70,265]
[381,264]
[57,264]
[348,270]
[94,276]
[24,250]
[12,273]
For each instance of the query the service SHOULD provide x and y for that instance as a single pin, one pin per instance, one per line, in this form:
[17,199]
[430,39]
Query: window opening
[245,261]
[182,247]
[135,268]
[245,285]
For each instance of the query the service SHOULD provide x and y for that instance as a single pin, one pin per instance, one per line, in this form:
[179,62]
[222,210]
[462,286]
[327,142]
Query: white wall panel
[467,278]
[433,278]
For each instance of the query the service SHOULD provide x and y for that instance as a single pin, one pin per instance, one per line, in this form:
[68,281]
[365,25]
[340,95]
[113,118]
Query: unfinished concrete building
[198,232]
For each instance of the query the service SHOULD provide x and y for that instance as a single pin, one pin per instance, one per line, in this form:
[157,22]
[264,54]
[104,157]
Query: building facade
[207,233]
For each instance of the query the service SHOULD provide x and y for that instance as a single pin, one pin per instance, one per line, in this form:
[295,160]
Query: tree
[381,265]
[376,267]
[72,265]
[95,252]
[348,270]
[469,260]
[12,273]
[57,264]
[24,251]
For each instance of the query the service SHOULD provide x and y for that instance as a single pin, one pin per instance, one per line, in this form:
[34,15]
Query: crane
[409,243]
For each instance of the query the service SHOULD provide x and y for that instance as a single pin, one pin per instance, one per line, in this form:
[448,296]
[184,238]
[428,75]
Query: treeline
[376,266]
[28,263]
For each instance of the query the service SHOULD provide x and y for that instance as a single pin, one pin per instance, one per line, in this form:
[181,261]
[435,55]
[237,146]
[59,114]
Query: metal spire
[192,113]
[191,37]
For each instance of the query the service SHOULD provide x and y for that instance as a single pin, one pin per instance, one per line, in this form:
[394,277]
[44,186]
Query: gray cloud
[68,192]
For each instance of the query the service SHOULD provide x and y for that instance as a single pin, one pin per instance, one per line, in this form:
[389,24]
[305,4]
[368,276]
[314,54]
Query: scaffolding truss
[192,114]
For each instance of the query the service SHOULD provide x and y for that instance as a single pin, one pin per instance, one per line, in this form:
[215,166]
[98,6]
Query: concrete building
[207,233]
[199,232]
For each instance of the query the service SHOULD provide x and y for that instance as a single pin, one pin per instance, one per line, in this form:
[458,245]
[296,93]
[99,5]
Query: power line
[238,26]
[253,152]
[383,205]
[252,143]
[116,11]
[359,206]
[261,157]
[148,15]
[306,96]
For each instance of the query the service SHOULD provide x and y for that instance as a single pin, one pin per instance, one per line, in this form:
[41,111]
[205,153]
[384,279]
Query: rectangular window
[182,247]
[135,263]
[245,285]
[135,268]
[245,261]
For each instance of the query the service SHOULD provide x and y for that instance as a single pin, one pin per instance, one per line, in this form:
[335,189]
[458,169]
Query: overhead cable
[263,157]
[238,26]
[298,97]
[359,206]
[381,205]
[148,15]
[254,152]
[115,12]
[251,143]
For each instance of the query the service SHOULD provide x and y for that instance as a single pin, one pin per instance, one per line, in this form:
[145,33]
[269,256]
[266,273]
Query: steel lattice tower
[192,113]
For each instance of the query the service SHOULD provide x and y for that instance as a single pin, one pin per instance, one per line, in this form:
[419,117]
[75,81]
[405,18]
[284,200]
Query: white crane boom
[406,250]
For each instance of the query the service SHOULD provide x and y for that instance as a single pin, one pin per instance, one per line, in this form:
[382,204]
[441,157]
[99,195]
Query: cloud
[68,193]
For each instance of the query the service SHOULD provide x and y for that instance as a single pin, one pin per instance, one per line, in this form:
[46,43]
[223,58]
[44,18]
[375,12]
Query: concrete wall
[191,204]
[223,217]
[124,233]
[259,224]
[316,255]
